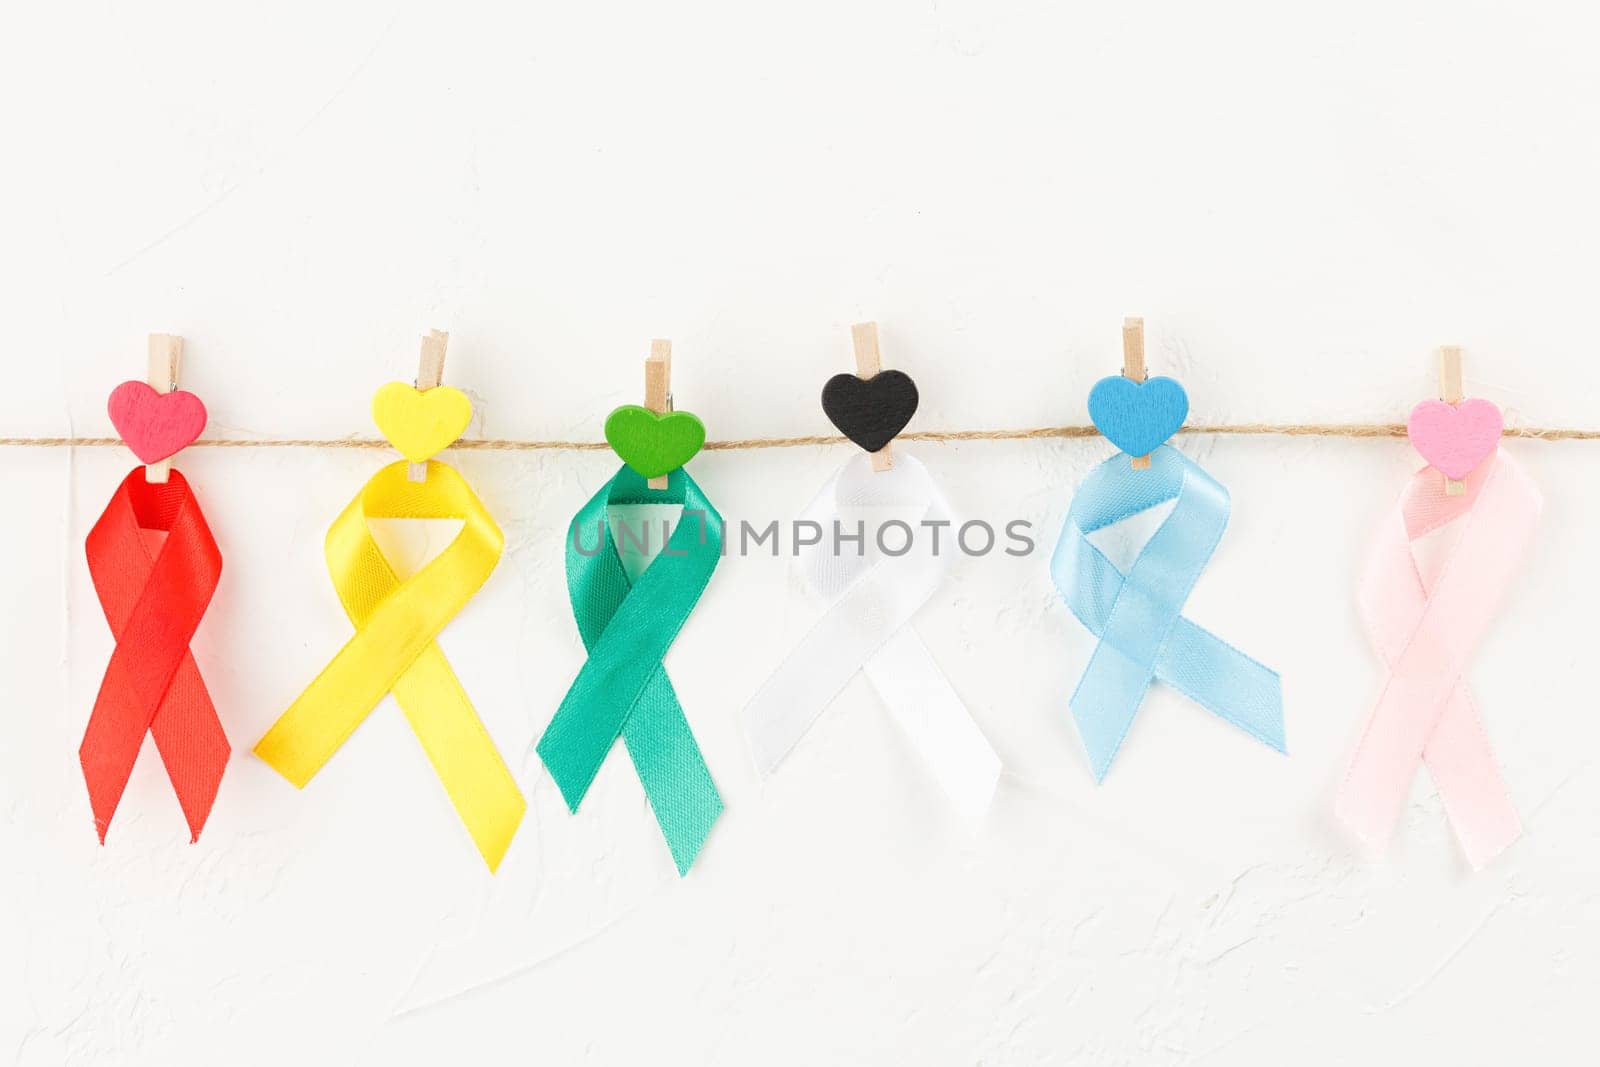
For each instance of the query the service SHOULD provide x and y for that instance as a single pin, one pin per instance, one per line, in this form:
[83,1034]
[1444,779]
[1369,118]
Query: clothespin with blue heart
[1137,413]
[1138,616]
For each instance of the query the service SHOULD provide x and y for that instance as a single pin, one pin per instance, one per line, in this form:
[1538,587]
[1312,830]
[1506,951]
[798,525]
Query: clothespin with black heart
[872,405]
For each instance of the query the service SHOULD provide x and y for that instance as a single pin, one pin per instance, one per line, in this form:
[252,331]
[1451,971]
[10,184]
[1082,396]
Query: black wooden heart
[870,411]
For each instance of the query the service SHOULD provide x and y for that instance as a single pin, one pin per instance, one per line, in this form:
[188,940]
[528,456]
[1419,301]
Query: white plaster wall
[1302,201]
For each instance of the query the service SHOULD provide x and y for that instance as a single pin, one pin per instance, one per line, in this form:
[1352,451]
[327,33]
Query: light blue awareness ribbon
[1138,616]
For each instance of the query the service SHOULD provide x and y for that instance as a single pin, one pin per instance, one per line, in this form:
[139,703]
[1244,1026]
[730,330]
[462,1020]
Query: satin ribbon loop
[1426,630]
[1138,616]
[627,626]
[153,599]
[873,598]
[394,650]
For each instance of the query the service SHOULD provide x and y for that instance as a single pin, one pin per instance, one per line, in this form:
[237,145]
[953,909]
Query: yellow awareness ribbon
[393,650]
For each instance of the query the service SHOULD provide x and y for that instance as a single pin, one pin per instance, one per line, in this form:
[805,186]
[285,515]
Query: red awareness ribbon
[153,597]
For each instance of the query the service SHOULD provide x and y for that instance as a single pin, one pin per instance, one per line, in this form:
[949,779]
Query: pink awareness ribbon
[1426,633]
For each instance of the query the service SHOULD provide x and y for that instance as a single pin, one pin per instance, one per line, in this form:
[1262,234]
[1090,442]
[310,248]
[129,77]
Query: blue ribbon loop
[1138,616]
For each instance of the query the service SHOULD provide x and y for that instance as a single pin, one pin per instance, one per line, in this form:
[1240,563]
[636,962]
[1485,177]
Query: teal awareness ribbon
[627,626]
[1138,616]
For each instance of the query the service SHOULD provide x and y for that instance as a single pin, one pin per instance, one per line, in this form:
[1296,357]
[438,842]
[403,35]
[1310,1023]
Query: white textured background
[1302,201]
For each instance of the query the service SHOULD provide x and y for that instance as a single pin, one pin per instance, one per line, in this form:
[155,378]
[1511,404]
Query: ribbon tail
[1386,758]
[111,745]
[132,697]
[307,735]
[572,748]
[1469,782]
[807,681]
[464,756]
[672,771]
[1224,681]
[1404,730]
[1105,703]
[923,704]
[338,700]
[194,749]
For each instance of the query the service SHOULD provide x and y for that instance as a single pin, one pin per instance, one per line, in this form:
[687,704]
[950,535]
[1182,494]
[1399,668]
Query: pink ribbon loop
[1426,632]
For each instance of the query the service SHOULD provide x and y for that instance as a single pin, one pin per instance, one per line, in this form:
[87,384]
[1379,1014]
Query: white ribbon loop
[874,596]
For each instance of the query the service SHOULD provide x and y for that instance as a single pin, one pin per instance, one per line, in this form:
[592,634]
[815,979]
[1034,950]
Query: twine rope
[1243,429]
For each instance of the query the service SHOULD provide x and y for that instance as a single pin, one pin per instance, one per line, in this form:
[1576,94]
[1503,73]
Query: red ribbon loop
[153,597]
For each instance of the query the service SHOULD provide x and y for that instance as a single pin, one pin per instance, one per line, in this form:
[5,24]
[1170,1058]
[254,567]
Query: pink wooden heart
[1455,439]
[155,425]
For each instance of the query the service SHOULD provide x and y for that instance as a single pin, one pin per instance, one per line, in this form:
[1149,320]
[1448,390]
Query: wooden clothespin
[430,372]
[166,352]
[869,361]
[1133,367]
[1451,392]
[658,388]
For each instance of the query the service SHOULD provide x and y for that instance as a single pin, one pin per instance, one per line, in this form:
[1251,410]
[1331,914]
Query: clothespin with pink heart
[1453,434]
[155,418]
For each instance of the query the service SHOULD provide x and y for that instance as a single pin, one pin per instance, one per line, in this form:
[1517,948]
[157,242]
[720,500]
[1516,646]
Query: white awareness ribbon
[874,595]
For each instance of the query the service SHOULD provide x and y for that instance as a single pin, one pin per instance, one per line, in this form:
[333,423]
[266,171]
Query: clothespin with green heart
[654,439]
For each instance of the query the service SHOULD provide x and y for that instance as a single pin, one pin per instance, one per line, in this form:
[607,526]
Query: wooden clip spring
[658,388]
[430,373]
[166,353]
[869,361]
[1451,392]
[1133,366]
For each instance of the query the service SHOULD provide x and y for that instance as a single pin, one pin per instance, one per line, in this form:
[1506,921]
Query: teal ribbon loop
[1138,616]
[627,626]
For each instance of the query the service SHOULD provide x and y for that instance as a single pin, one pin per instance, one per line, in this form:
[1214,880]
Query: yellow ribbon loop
[393,650]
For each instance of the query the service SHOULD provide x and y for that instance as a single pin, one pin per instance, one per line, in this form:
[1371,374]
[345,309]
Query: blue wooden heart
[1138,417]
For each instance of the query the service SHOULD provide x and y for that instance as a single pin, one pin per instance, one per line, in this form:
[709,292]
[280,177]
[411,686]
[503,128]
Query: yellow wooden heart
[421,423]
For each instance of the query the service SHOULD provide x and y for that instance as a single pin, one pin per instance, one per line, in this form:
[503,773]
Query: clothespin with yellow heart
[397,620]
[426,419]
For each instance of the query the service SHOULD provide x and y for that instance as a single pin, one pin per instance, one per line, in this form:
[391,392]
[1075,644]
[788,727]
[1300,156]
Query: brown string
[1330,429]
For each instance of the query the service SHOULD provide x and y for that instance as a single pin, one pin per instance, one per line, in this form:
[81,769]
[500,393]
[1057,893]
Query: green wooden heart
[654,444]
